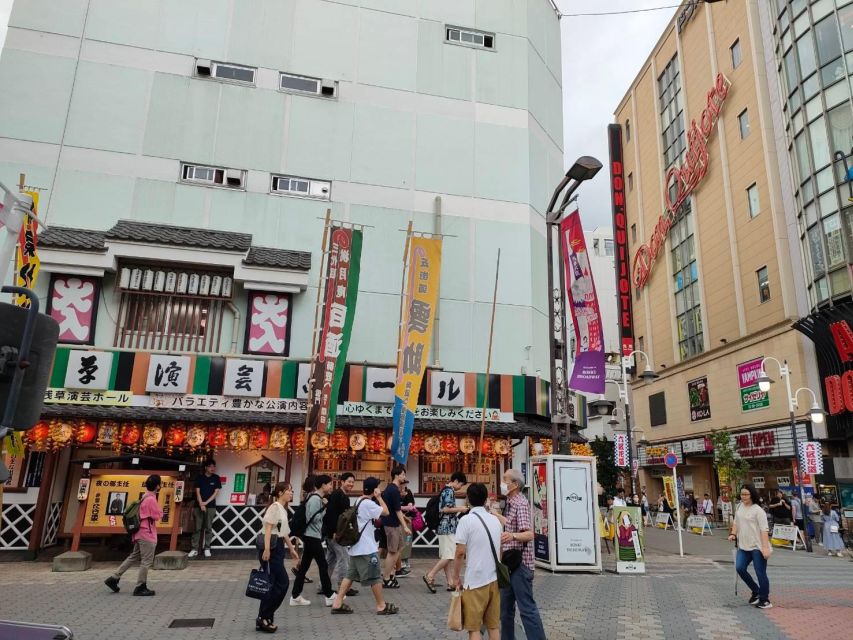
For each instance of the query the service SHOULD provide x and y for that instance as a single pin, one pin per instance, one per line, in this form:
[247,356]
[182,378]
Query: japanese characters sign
[243,378]
[620,239]
[83,396]
[811,458]
[168,374]
[424,274]
[27,263]
[620,450]
[471,414]
[221,403]
[303,377]
[775,442]
[379,384]
[588,371]
[341,293]
[110,494]
[655,454]
[269,320]
[73,304]
[88,370]
[447,389]
[751,397]
[699,398]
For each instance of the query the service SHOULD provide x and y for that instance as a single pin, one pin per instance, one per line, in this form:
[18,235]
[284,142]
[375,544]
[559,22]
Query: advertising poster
[539,494]
[629,540]
[588,372]
[751,397]
[669,491]
[575,501]
[700,401]
[110,494]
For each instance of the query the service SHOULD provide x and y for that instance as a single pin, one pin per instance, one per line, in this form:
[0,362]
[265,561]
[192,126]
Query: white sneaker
[331,599]
[207,553]
[193,553]
[300,602]
[820,544]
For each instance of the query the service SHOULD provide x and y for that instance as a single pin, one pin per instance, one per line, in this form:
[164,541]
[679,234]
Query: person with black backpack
[447,514]
[307,524]
[336,555]
[143,527]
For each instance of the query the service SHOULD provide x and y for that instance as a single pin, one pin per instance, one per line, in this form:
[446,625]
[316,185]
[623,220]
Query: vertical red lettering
[834,397]
[843,337]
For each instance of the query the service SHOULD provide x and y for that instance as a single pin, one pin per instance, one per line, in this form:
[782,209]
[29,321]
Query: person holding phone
[751,532]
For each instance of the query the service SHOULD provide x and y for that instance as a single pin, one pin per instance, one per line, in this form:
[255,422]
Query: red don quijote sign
[620,239]
[681,181]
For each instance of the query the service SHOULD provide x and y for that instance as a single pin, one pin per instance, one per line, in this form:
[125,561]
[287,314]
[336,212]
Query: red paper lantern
[217,437]
[340,441]
[259,438]
[376,442]
[417,444]
[86,433]
[298,440]
[175,435]
[130,434]
[39,433]
[450,444]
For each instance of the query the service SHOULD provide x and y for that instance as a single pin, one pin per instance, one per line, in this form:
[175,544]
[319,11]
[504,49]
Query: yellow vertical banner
[27,263]
[424,275]
[670,492]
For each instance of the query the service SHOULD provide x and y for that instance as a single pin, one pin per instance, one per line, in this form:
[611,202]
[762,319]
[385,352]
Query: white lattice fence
[51,525]
[15,526]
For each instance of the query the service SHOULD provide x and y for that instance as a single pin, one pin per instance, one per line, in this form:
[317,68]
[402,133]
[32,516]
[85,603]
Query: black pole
[556,400]
[806,535]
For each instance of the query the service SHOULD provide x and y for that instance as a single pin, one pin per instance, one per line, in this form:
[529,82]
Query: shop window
[657,409]
[671,112]
[685,275]
[763,285]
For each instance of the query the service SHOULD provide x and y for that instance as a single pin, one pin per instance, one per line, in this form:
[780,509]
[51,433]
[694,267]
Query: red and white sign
[269,315]
[620,449]
[73,304]
[620,240]
[811,458]
[681,181]
[775,442]
[238,498]
[839,388]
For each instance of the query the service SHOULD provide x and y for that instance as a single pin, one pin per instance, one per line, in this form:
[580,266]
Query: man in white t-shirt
[619,500]
[364,564]
[708,507]
[478,539]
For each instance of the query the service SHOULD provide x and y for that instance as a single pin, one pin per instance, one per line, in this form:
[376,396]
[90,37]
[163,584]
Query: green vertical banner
[340,296]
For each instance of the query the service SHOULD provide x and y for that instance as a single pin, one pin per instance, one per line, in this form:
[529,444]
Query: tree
[605,464]
[731,468]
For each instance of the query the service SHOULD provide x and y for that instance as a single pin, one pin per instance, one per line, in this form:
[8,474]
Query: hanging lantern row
[577,449]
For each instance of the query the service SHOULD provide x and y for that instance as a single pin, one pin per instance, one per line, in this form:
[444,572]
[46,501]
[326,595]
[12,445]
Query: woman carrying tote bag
[271,543]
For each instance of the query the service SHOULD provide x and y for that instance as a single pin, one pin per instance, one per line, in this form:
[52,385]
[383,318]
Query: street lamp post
[815,415]
[583,169]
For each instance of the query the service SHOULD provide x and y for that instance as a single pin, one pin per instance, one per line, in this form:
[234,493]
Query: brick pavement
[679,598]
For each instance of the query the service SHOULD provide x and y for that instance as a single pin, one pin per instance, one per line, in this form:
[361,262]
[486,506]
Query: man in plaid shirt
[518,534]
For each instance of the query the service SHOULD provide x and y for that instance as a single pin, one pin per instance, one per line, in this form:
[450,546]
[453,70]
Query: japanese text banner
[27,263]
[415,338]
[588,371]
[340,297]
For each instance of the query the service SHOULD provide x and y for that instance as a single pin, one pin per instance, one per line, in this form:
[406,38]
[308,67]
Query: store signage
[243,378]
[751,397]
[767,443]
[758,481]
[620,240]
[222,403]
[168,374]
[109,494]
[93,398]
[379,384]
[839,387]
[700,401]
[74,304]
[697,445]
[447,389]
[238,498]
[681,181]
[811,458]
[620,449]
[656,454]
[267,330]
[474,414]
[88,370]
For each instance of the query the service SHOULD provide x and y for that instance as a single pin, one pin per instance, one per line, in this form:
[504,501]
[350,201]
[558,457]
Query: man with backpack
[444,513]
[141,520]
[356,530]
[336,555]
[307,524]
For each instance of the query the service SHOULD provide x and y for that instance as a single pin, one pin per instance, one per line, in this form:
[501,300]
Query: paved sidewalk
[691,597]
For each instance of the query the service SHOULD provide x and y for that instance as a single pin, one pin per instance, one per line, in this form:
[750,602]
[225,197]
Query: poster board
[111,490]
[629,540]
[699,525]
[564,509]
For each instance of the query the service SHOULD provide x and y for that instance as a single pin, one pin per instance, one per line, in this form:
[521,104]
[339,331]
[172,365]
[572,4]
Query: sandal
[391,584]
[389,610]
[344,608]
[430,585]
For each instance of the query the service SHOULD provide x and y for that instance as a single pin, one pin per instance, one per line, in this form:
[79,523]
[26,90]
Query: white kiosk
[565,513]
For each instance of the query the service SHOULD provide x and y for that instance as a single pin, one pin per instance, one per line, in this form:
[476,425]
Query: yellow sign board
[109,495]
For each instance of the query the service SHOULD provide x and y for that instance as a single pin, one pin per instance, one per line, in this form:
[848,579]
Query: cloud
[601,57]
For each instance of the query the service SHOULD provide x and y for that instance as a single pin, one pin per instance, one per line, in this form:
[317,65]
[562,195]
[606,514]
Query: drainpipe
[436,229]
[236,326]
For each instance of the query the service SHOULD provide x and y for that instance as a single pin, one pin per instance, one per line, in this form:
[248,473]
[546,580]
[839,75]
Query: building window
[743,123]
[304,84]
[225,71]
[763,285]
[470,38]
[301,187]
[641,345]
[737,57]
[688,305]
[657,409]
[171,309]
[627,131]
[630,182]
[608,247]
[671,112]
[752,198]
[213,176]
[633,233]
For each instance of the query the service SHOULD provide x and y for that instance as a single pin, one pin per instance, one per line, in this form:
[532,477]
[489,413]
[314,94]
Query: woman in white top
[276,535]
[751,532]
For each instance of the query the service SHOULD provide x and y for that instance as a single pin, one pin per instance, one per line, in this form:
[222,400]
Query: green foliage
[731,468]
[605,465]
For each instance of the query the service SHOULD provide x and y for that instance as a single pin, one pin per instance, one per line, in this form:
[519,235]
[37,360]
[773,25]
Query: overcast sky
[601,56]
[5,8]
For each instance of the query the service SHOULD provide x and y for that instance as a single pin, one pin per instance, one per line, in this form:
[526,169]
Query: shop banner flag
[620,446]
[27,263]
[811,458]
[415,338]
[340,296]
[588,372]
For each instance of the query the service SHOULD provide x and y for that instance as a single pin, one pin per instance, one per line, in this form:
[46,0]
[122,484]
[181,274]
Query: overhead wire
[628,11]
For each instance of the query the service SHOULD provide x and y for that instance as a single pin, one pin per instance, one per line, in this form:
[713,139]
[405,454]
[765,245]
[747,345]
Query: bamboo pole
[403,293]
[488,363]
[315,343]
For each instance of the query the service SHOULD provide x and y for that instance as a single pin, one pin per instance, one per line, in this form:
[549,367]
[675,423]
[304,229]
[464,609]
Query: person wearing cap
[364,564]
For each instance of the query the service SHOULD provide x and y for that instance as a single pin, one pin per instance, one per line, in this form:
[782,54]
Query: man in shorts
[478,538]
[447,530]
[396,526]
[364,564]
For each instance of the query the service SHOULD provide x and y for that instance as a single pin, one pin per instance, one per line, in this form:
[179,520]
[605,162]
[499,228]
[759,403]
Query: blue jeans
[520,591]
[762,589]
[280,582]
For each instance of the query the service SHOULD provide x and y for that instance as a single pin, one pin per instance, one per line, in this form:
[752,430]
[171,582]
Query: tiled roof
[69,238]
[278,258]
[145,232]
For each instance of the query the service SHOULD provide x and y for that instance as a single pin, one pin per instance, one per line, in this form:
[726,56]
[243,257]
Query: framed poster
[539,500]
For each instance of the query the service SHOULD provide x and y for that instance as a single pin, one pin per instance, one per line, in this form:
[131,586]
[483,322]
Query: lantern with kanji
[175,435]
[298,440]
[417,444]
[340,441]
[259,438]
[450,445]
[60,433]
[86,433]
[238,439]
[108,433]
[217,437]
[279,438]
[376,442]
[195,436]
[130,434]
[38,435]
[152,435]
[488,446]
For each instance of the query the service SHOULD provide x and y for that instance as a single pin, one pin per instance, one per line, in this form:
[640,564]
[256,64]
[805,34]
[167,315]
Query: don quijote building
[725,209]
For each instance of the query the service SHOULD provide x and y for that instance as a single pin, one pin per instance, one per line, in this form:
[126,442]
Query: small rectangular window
[301,187]
[305,84]
[763,285]
[213,176]
[627,131]
[630,182]
[608,247]
[470,37]
[752,198]
[233,73]
[736,54]
[633,233]
[743,123]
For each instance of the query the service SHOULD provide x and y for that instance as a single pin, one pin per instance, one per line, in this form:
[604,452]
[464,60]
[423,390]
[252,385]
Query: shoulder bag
[500,567]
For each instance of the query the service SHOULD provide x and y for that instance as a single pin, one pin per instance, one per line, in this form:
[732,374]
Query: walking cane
[734,563]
